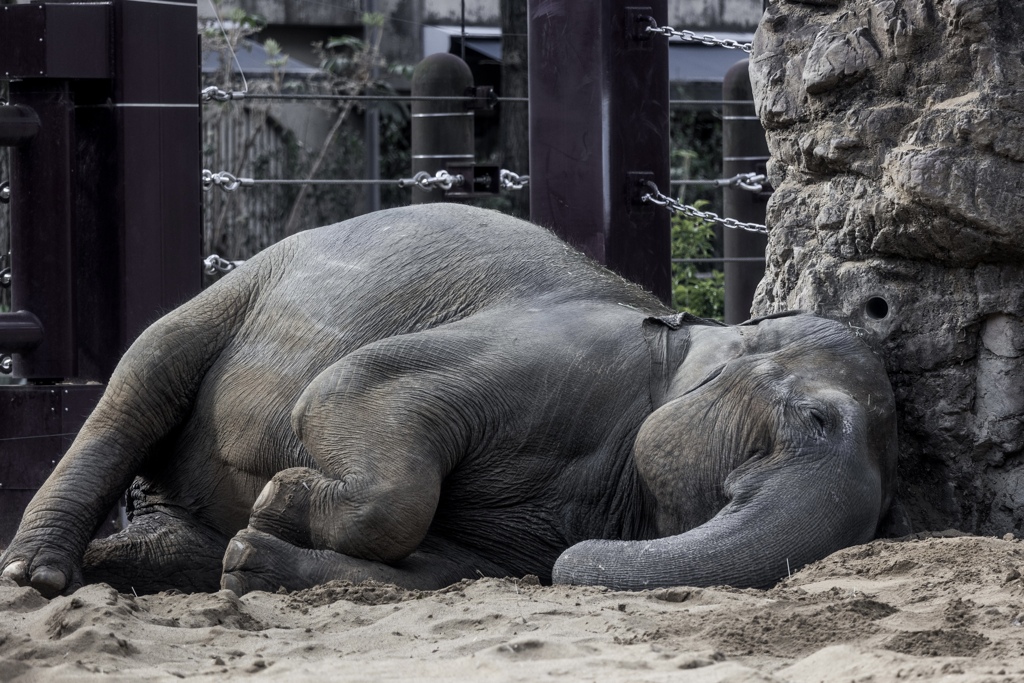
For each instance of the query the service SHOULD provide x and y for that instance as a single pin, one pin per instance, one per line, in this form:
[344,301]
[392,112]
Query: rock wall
[897,134]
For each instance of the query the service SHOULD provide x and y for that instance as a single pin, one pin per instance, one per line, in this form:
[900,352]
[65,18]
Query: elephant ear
[678,320]
[773,316]
[666,357]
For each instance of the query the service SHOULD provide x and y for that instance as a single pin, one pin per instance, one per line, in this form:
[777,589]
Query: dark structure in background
[104,208]
[598,131]
[442,131]
[744,149]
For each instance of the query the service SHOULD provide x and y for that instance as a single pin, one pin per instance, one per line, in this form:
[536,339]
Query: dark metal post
[442,132]
[372,121]
[598,129]
[159,162]
[744,150]
[105,199]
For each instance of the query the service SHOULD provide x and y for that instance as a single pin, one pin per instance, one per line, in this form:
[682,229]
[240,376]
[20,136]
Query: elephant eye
[819,418]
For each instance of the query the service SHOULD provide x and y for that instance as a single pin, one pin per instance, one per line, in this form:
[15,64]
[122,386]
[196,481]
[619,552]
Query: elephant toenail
[50,582]
[232,583]
[266,495]
[236,555]
[15,571]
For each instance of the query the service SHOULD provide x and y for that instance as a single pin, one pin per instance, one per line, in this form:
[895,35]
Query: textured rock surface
[897,134]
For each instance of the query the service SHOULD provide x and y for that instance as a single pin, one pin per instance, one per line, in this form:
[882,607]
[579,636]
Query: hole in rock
[876,308]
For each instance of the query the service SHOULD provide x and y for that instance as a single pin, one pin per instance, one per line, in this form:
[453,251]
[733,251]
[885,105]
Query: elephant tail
[151,392]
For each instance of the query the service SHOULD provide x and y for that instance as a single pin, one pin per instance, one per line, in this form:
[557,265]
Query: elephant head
[783,426]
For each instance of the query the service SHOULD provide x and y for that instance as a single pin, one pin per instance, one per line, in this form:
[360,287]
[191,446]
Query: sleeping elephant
[431,393]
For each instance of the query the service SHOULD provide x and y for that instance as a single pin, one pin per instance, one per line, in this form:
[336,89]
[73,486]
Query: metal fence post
[744,150]
[156,83]
[442,132]
[105,200]
[599,118]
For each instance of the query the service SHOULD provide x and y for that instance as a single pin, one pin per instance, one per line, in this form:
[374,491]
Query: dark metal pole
[744,149]
[599,112]
[159,160]
[372,124]
[442,132]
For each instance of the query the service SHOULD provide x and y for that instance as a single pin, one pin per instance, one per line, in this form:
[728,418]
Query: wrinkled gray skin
[438,392]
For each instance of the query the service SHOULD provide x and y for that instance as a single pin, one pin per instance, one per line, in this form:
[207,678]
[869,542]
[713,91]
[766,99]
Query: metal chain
[692,37]
[214,264]
[216,94]
[5,277]
[423,180]
[5,192]
[512,181]
[441,180]
[6,366]
[751,182]
[675,206]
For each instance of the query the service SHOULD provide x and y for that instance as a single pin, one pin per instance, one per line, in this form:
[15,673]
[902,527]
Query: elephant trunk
[776,521]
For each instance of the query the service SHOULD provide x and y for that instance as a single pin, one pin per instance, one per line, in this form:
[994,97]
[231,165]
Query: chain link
[6,365]
[441,180]
[751,182]
[692,37]
[5,192]
[675,206]
[217,95]
[512,181]
[5,277]
[214,264]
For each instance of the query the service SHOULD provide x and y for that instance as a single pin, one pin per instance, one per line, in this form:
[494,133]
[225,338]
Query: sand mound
[932,607]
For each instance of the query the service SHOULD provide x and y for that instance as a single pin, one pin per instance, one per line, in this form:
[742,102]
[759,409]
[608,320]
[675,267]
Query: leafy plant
[700,291]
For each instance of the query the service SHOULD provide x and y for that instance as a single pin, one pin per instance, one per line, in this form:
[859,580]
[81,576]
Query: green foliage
[696,290]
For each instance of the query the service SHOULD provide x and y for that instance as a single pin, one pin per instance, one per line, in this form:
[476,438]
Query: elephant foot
[258,561]
[162,549]
[51,578]
[36,560]
[283,507]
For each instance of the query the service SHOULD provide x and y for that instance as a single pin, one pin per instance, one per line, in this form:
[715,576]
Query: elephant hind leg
[162,549]
[259,561]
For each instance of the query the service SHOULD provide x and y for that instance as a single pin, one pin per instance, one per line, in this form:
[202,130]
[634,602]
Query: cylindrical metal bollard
[744,150]
[442,131]
[20,331]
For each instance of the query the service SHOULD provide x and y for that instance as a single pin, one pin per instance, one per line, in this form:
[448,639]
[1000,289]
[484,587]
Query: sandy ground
[932,608]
